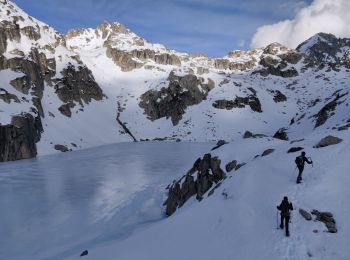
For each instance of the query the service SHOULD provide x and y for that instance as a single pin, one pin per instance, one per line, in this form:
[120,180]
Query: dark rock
[18,140]
[323,115]
[239,102]
[267,152]
[77,86]
[84,253]
[173,100]
[328,140]
[325,48]
[295,149]
[207,172]
[279,97]
[219,144]
[62,148]
[231,166]
[305,214]
[65,110]
[239,166]
[281,134]
[247,134]
[327,219]
[8,97]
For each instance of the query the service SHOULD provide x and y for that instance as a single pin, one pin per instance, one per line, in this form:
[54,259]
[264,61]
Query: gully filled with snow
[58,205]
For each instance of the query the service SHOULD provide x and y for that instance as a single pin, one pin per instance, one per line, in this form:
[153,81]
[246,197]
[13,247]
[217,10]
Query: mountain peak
[325,47]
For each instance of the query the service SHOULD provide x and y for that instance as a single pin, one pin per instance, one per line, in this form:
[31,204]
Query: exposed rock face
[306,215]
[77,86]
[323,115]
[275,60]
[172,101]
[207,172]
[18,140]
[247,63]
[328,140]
[126,60]
[327,219]
[239,102]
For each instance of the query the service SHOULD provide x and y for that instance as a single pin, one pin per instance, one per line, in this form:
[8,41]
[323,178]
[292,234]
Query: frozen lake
[59,205]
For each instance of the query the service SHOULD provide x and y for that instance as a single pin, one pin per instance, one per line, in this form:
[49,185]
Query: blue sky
[212,27]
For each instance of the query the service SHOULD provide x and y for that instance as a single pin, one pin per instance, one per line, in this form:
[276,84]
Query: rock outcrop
[323,115]
[18,139]
[77,85]
[199,179]
[171,102]
[276,59]
[239,102]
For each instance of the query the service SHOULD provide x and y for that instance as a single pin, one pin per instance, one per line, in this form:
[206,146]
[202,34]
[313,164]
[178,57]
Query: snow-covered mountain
[108,85]
[62,84]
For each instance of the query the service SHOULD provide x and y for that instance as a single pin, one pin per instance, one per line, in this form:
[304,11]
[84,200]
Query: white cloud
[329,16]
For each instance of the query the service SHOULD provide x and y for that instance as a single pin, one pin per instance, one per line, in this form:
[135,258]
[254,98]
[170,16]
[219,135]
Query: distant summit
[326,48]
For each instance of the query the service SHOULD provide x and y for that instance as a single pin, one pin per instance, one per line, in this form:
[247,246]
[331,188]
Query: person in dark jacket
[300,162]
[285,208]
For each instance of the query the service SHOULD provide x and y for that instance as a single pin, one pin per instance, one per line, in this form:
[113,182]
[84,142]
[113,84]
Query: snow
[243,226]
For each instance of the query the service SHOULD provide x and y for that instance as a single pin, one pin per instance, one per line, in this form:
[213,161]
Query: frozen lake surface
[59,205]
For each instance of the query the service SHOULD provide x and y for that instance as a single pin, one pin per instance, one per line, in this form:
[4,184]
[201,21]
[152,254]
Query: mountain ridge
[67,81]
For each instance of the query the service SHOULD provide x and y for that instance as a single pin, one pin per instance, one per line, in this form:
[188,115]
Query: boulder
[267,152]
[248,134]
[60,147]
[305,214]
[328,140]
[279,97]
[84,253]
[281,134]
[231,166]
[295,149]
[327,218]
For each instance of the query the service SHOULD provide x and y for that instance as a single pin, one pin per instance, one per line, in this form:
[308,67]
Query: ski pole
[277,219]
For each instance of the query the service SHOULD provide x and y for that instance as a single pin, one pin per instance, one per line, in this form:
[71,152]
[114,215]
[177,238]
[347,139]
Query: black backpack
[299,160]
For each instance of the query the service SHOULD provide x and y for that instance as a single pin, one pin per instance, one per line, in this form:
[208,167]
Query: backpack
[299,160]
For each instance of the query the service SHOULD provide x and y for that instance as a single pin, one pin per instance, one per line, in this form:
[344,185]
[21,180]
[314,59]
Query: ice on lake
[59,205]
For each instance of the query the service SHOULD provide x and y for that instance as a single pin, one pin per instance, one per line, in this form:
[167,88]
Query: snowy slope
[242,225]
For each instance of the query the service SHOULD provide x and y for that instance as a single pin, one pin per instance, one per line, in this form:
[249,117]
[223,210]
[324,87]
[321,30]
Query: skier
[300,162]
[285,208]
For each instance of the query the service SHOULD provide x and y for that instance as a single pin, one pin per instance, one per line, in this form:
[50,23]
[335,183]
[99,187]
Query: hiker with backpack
[285,208]
[300,162]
